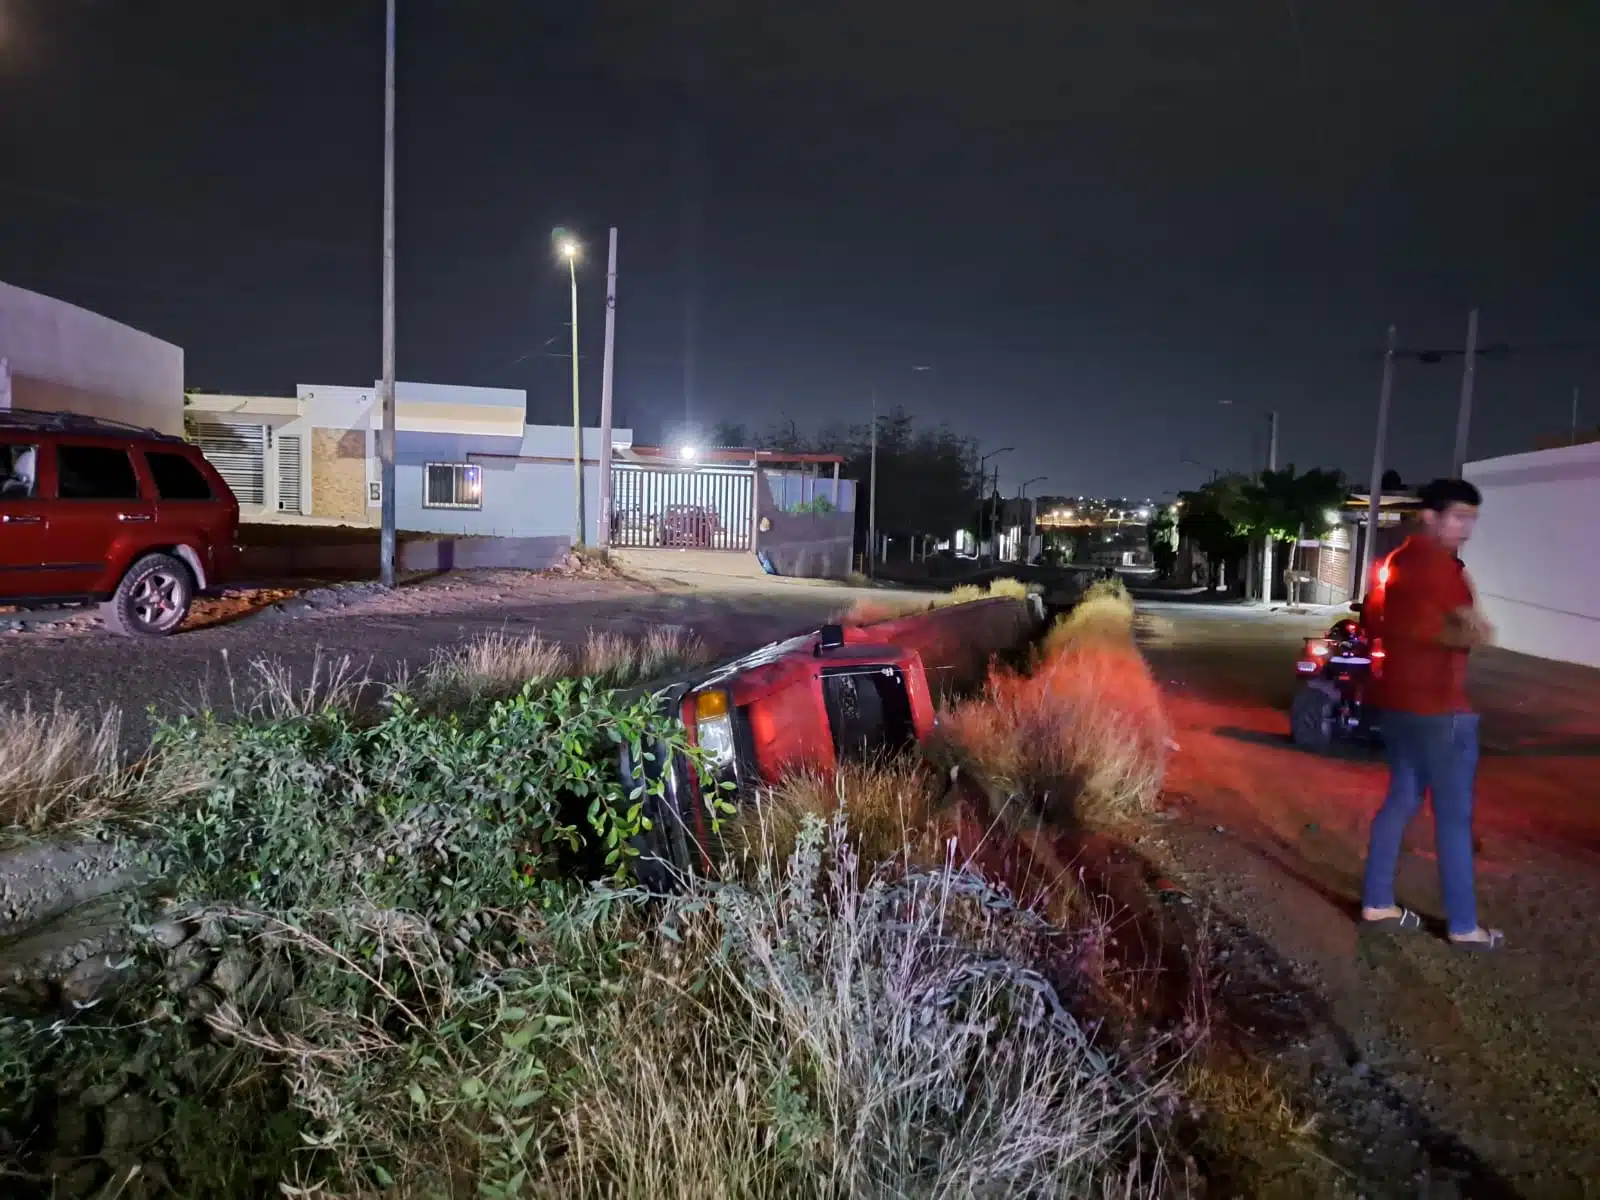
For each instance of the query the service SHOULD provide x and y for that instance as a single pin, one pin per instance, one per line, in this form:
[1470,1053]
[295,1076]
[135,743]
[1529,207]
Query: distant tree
[1211,519]
[1392,482]
[927,477]
[1162,535]
[731,435]
[1283,503]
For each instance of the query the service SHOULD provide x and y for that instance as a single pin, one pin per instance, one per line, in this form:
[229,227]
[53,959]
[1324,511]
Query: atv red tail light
[1317,649]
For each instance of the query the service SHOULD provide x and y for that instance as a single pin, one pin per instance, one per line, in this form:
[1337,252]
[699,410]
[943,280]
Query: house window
[452,485]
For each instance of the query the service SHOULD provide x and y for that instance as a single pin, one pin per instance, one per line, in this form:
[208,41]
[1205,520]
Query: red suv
[94,510]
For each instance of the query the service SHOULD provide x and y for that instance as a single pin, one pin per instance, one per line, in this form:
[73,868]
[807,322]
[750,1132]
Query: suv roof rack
[69,422]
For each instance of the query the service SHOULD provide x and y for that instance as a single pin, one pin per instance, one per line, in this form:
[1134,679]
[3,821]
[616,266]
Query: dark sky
[1096,220]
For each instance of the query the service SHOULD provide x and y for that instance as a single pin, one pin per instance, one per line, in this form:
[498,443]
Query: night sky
[1097,222]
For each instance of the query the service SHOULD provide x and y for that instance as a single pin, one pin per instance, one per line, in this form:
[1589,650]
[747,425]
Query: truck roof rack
[69,422]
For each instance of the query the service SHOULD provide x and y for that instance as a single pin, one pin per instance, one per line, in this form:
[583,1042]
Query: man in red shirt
[1428,622]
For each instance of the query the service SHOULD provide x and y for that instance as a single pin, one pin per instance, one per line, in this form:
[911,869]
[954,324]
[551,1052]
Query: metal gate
[700,508]
[239,453]
[289,474]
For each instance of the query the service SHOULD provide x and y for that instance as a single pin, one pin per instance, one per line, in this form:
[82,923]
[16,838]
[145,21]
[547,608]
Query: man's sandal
[1406,922]
[1492,939]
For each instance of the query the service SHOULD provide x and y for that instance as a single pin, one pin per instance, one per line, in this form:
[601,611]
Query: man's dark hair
[1442,493]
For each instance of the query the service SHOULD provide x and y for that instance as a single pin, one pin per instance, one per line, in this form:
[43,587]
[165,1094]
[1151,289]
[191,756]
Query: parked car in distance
[101,512]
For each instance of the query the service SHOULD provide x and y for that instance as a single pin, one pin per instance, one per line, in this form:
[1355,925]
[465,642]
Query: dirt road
[1467,1075]
[382,633]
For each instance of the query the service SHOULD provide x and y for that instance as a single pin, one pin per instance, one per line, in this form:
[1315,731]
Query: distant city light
[1144,514]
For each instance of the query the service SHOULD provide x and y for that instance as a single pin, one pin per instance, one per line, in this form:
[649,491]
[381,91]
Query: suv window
[177,478]
[95,473]
[19,471]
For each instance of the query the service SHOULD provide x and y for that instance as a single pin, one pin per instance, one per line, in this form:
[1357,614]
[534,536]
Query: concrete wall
[62,358]
[805,545]
[1533,556]
[310,557]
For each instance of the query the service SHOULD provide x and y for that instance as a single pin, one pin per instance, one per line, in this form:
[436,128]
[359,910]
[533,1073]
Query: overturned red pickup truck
[807,703]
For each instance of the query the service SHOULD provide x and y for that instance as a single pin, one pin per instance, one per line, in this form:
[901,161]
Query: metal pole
[1266,542]
[1574,416]
[1375,488]
[1469,371]
[577,417]
[603,519]
[872,496]
[386,540]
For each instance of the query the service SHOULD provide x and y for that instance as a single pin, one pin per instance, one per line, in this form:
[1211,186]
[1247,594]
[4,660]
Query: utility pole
[872,495]
[1469,371]
[1266,541]
[577,416]
[1375,488]
[386,538]
[603,520]
[1574,416]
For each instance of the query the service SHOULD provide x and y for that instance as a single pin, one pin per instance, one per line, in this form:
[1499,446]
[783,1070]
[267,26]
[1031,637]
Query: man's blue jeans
[1439,756]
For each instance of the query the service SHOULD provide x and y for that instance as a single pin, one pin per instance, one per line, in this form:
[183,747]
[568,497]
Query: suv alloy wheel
[153,598]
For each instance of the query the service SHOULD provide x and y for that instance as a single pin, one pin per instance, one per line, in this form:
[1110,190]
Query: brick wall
[339,476]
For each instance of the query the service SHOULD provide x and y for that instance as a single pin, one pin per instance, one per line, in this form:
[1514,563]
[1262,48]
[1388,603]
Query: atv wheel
[1311,717]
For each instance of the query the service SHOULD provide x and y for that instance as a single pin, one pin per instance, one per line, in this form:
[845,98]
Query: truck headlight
[713,726]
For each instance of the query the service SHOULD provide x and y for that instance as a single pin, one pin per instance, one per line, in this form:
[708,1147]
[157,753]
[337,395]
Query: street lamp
[1033,512]
[983,482]
[570,250]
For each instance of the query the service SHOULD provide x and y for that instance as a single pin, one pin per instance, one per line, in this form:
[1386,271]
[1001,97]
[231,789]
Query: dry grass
[620,661]
[272,691]
[826,1034]
[892,808]
[1085,731]
[1103,615]
[494,666]
[59,768]
[869,610]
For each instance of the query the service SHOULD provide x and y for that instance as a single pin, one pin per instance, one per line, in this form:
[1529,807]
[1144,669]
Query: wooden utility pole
[872,496]
[386,540]
[1266,541]
[1469,373]
[1375,488]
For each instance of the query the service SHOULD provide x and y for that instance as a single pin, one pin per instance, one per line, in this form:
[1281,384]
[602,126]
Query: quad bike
[1335,671]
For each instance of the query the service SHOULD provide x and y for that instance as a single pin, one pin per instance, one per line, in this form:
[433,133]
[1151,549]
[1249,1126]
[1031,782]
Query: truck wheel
[152,600]
[1311,718]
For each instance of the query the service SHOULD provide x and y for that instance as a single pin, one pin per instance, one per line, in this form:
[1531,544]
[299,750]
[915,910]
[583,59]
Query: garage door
[239,453]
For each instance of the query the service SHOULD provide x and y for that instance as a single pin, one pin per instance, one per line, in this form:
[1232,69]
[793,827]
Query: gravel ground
[381,633]
[1443,1073]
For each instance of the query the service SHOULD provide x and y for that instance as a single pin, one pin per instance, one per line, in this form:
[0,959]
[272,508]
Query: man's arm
[1420,606]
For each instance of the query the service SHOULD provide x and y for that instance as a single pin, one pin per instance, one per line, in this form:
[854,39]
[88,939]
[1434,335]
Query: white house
[1533,557]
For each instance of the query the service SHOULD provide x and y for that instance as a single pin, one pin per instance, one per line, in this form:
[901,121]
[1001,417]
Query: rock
[87,981]
[232,973]
[132,1122]
[169,934]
